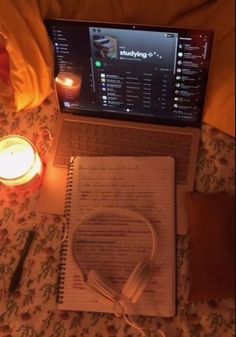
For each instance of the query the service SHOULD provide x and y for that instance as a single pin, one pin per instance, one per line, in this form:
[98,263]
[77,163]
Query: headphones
[139,278]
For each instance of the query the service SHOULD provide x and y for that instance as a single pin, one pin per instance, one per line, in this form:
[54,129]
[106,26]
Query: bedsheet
[32,310]
[31,54]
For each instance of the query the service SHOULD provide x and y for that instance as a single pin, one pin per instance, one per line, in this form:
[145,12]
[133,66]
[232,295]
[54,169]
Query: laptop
[126,90]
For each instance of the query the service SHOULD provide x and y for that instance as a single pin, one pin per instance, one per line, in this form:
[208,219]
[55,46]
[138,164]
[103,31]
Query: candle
[69,86]
[20,164]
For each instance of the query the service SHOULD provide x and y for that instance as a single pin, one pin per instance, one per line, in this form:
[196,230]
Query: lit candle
[20,164]
[69,85]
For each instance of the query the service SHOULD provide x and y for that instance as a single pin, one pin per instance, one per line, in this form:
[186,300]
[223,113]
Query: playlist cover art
[105,47]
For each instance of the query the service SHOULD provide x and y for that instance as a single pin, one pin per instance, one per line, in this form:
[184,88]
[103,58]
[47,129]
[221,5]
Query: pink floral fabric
[31,311]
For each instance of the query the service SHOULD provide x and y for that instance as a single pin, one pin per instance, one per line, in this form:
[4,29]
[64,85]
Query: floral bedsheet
[31,311]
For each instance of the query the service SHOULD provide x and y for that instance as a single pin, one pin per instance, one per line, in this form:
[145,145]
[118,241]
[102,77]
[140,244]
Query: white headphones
[139,278]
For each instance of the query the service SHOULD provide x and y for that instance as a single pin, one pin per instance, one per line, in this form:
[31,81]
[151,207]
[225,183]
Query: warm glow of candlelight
[19,162]
[68,82]
[68,86]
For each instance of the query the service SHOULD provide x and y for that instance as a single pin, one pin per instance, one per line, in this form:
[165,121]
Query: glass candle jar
[20,164]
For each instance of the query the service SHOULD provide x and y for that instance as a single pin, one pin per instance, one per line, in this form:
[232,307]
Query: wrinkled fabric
[31,55]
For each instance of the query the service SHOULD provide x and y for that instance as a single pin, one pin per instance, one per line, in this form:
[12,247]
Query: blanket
[30,52]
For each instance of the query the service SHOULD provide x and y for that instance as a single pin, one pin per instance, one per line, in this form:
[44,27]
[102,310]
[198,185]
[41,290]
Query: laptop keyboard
[85,139]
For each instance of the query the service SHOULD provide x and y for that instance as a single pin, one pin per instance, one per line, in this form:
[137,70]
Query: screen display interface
[147,74]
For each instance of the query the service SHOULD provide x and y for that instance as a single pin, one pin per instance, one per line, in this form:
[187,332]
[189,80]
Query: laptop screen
[131,72]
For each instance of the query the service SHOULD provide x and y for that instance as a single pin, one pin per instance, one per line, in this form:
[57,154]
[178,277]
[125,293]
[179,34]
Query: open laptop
[126,90]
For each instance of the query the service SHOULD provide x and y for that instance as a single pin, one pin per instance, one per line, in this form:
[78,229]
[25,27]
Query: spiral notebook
[143,184]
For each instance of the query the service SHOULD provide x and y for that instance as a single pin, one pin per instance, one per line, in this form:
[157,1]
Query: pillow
[212,245]
[4,61]
[30,49]
[31,56]
[5,83]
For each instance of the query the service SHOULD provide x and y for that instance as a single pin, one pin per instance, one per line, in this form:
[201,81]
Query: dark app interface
[133,70]
[158,76]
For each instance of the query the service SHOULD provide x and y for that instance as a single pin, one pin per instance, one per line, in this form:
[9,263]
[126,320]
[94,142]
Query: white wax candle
[19,162]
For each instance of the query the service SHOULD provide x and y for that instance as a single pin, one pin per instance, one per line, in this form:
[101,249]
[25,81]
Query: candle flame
[16,161]
[68,82]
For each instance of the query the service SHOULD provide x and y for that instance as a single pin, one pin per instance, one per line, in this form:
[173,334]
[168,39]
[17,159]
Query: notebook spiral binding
[64,245]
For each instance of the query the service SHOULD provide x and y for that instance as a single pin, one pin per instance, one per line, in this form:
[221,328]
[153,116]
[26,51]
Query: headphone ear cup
[138,281]
[104,290]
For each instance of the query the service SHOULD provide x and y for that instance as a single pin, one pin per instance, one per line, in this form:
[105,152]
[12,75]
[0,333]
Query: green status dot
[98,64]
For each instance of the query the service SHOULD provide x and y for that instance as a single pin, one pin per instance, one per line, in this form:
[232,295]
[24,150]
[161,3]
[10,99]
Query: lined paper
[114,245]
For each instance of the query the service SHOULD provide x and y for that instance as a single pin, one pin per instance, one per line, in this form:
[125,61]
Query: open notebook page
[144,184]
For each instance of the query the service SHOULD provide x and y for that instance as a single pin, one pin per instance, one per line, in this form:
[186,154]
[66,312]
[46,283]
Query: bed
[30,109]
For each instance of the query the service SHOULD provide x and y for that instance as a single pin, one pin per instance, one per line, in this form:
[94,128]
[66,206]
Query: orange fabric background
[31,57]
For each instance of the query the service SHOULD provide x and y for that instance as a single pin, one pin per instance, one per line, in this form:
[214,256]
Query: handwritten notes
[116,244]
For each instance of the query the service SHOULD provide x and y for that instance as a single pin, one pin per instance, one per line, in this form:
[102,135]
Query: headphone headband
[124,212]
[103,289]
[139,277]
